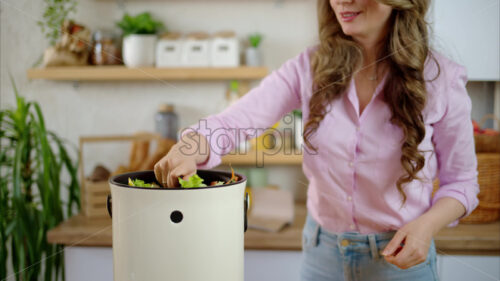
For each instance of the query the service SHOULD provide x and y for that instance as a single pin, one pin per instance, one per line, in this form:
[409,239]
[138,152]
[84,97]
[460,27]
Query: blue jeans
[352,256]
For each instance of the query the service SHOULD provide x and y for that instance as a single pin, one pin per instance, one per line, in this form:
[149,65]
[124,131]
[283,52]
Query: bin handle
[108,206]
[245,207]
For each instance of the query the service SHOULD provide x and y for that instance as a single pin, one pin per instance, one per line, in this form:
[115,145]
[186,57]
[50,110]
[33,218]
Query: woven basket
[485,143]
[488,210]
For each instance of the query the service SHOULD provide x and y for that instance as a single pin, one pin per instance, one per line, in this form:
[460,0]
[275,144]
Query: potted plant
[54,14]
[35,168]
[252,54]
[139,39]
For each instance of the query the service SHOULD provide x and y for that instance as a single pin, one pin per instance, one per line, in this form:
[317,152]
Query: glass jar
[105,48]
[166,122]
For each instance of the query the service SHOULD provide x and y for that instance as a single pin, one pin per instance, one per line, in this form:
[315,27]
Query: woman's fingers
[183,171]
[161,171]
[187,174]
[157,171]
[404,258]
[394,244]
[412,254]
[169,180]
[173,165]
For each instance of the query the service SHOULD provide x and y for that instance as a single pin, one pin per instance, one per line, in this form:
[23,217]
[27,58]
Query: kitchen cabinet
[96,263]
[469,33]
[465,268]
[496,103]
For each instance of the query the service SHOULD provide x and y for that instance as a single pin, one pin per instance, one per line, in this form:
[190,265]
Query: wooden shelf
[122,73]
[262,157]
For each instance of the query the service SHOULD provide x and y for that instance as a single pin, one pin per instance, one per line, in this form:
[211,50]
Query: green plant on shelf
[142,23]
[35,169]
[55,12]
[255,39]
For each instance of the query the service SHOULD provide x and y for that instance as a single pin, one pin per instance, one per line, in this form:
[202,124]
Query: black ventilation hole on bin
[176,216]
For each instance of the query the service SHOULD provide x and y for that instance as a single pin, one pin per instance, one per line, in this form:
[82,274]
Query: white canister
[182,234]
[168,50]
[225,50]
[139,50]
[196,50]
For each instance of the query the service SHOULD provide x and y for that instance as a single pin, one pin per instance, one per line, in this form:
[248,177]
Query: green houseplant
[34,165]
[255,39]
[139,39]
[140,24]
[55,12]
[252,53]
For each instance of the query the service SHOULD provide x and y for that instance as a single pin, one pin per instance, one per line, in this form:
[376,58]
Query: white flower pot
[252,57]
[139,50]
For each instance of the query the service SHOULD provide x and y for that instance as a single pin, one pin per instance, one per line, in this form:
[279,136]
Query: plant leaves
[30,191]
[142,23]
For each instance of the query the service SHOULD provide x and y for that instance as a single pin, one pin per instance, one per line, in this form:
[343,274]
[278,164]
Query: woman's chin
[349,31]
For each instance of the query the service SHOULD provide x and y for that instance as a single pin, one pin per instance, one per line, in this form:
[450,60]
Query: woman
[384,114]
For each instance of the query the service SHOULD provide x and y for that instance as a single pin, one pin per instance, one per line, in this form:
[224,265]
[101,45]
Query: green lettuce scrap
[140,183]
[195,181]
[192,182]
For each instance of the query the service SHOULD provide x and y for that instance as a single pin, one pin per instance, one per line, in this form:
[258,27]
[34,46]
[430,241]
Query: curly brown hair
[404,52]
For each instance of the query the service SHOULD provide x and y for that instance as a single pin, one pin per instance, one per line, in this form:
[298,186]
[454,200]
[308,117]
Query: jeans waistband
[345,240]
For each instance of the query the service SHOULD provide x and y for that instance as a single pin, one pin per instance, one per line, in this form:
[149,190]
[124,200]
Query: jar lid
[171,35]
[198,35]
[225,34]
[166,107]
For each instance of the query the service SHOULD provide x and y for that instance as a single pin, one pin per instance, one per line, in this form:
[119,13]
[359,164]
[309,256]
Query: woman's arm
[277,94]
[202,144]
[445,211]
[457,195]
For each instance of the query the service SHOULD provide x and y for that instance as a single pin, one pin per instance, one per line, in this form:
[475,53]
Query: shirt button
[344,243]
[352,226]
[349,198]
[351,164]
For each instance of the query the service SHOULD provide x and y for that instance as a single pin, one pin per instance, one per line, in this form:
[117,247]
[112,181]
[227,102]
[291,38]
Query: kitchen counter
[467,239]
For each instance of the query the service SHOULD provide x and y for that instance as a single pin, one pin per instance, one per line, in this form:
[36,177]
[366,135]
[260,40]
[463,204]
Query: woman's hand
[181,160]
[416,237]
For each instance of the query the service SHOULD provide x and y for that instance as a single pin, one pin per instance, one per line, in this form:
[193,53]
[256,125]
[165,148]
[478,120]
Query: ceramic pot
[253,57]
[139,50]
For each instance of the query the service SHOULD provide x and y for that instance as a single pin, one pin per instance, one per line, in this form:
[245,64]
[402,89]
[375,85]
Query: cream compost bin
[178,234]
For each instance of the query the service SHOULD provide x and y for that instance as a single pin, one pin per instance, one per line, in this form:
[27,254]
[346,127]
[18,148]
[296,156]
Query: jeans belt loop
[315,236]
[373,246]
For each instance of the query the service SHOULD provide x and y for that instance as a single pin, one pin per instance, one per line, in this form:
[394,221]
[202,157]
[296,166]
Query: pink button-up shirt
[352,178]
